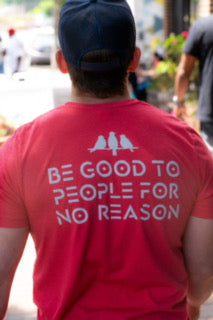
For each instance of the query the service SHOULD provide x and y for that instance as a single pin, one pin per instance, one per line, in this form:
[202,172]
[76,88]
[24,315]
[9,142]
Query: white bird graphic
[126,143]
[113,143]
[100,144]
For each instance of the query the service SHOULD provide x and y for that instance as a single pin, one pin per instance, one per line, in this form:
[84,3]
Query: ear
[135,61]
[62,64]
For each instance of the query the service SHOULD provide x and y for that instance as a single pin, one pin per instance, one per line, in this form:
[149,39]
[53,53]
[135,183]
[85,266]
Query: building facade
[176,16]
[156,19]
[205,7]
[149,15]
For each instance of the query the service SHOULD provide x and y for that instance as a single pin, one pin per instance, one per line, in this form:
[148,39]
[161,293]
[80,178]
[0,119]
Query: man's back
[116,193]
[109,230]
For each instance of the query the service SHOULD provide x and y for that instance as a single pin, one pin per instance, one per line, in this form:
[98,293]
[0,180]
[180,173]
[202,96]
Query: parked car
[41,47]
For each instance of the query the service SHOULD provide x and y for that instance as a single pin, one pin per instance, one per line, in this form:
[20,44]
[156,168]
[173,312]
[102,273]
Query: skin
[198,237]
[185,68]
[84,97]
[197,249]
[12,245]
[198,254]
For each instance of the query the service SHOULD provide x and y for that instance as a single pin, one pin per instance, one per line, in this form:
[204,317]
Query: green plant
[44,6]
[173,46]
[61,2]
[167,69]
[165,74]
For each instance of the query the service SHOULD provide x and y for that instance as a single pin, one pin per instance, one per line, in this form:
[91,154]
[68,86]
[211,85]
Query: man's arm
[198,252]
[185,68]
[12,243]
[19,60]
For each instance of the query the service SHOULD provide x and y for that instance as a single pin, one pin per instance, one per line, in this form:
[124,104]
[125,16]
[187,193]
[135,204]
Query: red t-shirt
[106,191]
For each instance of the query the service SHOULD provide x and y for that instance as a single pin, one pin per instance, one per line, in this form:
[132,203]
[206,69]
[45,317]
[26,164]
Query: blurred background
[162,28]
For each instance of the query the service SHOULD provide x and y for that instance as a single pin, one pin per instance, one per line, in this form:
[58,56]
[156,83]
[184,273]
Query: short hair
[103,84]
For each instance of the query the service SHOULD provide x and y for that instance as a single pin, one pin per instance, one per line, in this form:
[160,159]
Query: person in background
[133,83]
[116,193]
[139,83]
[157,57]
[14,54]
[199,47]
[143,82]
[140,80]
[1,56]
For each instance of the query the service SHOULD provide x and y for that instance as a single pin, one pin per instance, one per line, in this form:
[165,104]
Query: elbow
[203,275]
[201,271]
[182,75]
[200,287]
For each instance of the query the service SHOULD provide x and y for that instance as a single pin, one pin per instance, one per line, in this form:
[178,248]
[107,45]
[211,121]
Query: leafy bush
[166,70]
[46,6]
[174,45]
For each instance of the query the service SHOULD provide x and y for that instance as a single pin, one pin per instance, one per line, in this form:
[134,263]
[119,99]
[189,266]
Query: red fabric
[107,191]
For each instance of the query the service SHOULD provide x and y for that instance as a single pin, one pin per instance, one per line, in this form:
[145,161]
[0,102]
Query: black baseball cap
[90,25]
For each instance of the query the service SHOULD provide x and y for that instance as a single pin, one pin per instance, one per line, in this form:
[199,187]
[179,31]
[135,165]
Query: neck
[88,98]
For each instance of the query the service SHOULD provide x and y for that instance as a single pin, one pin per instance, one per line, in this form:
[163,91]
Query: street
[41,90]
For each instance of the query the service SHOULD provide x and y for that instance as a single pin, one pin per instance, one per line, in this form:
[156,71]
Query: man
[199,47]
[117,194]
[1,56]
[14,55]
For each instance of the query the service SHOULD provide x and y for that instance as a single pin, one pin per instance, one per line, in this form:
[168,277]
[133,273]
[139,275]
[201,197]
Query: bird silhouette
[126,143]
[113,143]
[100,144]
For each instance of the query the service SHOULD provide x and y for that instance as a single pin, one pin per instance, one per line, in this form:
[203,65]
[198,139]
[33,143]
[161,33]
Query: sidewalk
[42,90]
[207,310]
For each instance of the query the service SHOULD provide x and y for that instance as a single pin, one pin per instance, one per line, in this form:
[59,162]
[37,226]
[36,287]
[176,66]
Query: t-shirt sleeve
[12,210]
[194,41]
[203,207]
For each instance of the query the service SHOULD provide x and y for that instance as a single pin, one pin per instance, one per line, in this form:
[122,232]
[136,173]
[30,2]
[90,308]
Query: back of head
[97,38]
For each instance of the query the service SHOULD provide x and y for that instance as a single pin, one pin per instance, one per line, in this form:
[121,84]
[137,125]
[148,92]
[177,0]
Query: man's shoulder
[203,24]
[206,20]
[39,124]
